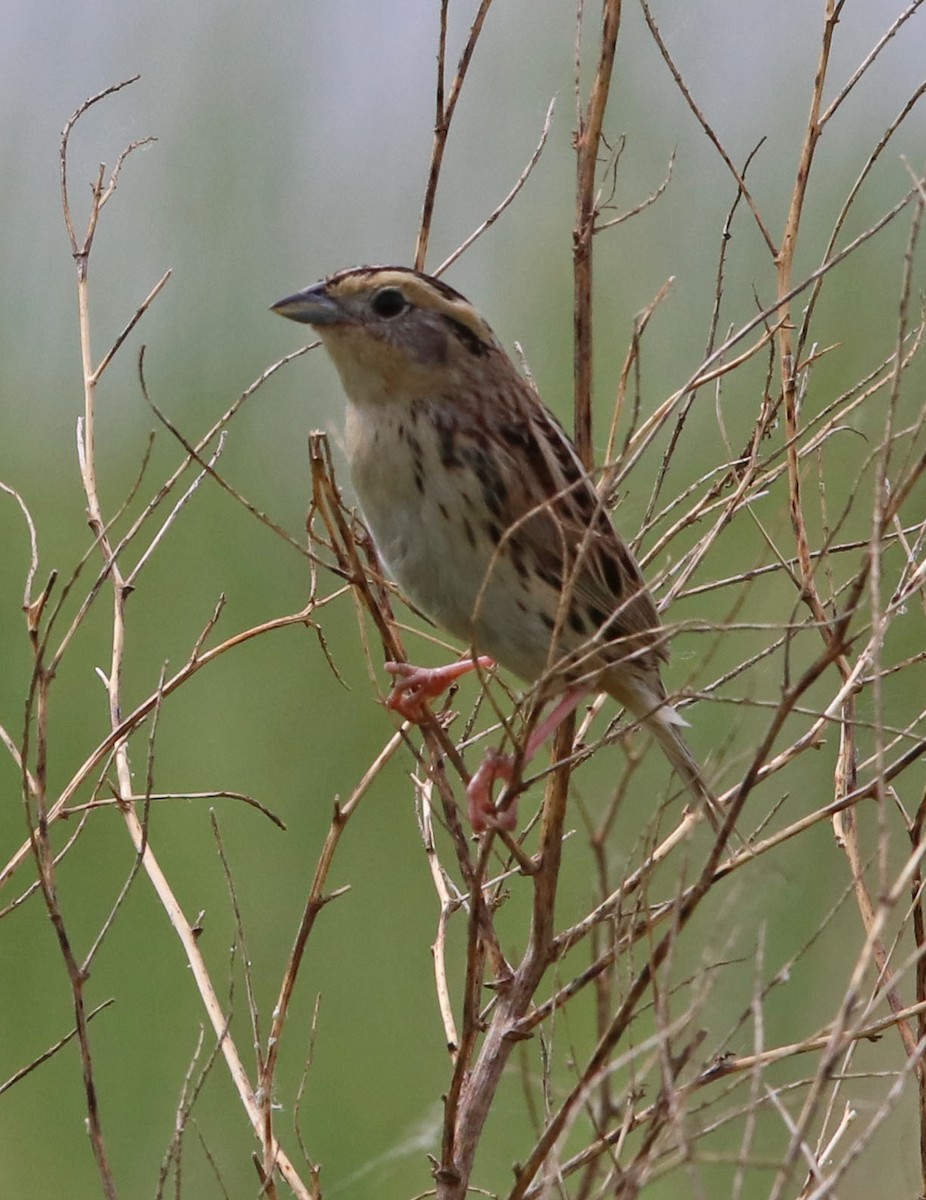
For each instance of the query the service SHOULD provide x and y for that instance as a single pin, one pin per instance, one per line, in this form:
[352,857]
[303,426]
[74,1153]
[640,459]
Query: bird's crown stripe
[422,292]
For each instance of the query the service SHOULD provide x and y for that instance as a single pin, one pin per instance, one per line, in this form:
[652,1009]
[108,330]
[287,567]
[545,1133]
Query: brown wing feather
[557,521]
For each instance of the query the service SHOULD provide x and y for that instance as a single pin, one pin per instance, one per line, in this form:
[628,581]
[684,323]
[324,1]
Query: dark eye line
[473,343]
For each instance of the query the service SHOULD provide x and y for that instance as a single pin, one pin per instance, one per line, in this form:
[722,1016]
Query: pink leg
[555,717]
[482,811]
[414,686]
[483,814]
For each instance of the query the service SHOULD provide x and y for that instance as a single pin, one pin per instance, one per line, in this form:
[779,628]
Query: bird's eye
[388,302]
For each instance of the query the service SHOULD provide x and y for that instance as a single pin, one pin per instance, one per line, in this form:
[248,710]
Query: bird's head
[393,331]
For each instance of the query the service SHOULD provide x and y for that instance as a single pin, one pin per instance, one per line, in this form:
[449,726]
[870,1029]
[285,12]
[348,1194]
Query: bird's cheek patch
[429,346]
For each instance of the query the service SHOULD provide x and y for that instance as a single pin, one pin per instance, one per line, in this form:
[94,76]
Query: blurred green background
[293,139]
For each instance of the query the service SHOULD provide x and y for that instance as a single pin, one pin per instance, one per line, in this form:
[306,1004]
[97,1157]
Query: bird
[483,512]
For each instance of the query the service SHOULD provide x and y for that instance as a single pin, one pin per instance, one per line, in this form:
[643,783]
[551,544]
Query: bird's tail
[666,726]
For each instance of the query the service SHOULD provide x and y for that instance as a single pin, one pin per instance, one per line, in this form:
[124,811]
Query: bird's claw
[412,689]
[483,813]
[414,686]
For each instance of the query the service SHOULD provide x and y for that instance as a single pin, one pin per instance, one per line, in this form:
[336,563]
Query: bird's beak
[311,307]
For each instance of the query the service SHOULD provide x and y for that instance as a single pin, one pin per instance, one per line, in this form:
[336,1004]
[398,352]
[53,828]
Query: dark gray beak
[311,307]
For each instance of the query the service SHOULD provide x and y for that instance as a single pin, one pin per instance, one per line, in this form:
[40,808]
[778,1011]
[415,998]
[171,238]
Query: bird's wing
[556,519]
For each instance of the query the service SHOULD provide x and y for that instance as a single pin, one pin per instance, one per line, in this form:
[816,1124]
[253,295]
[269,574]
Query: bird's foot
[414,686]
[483,813]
